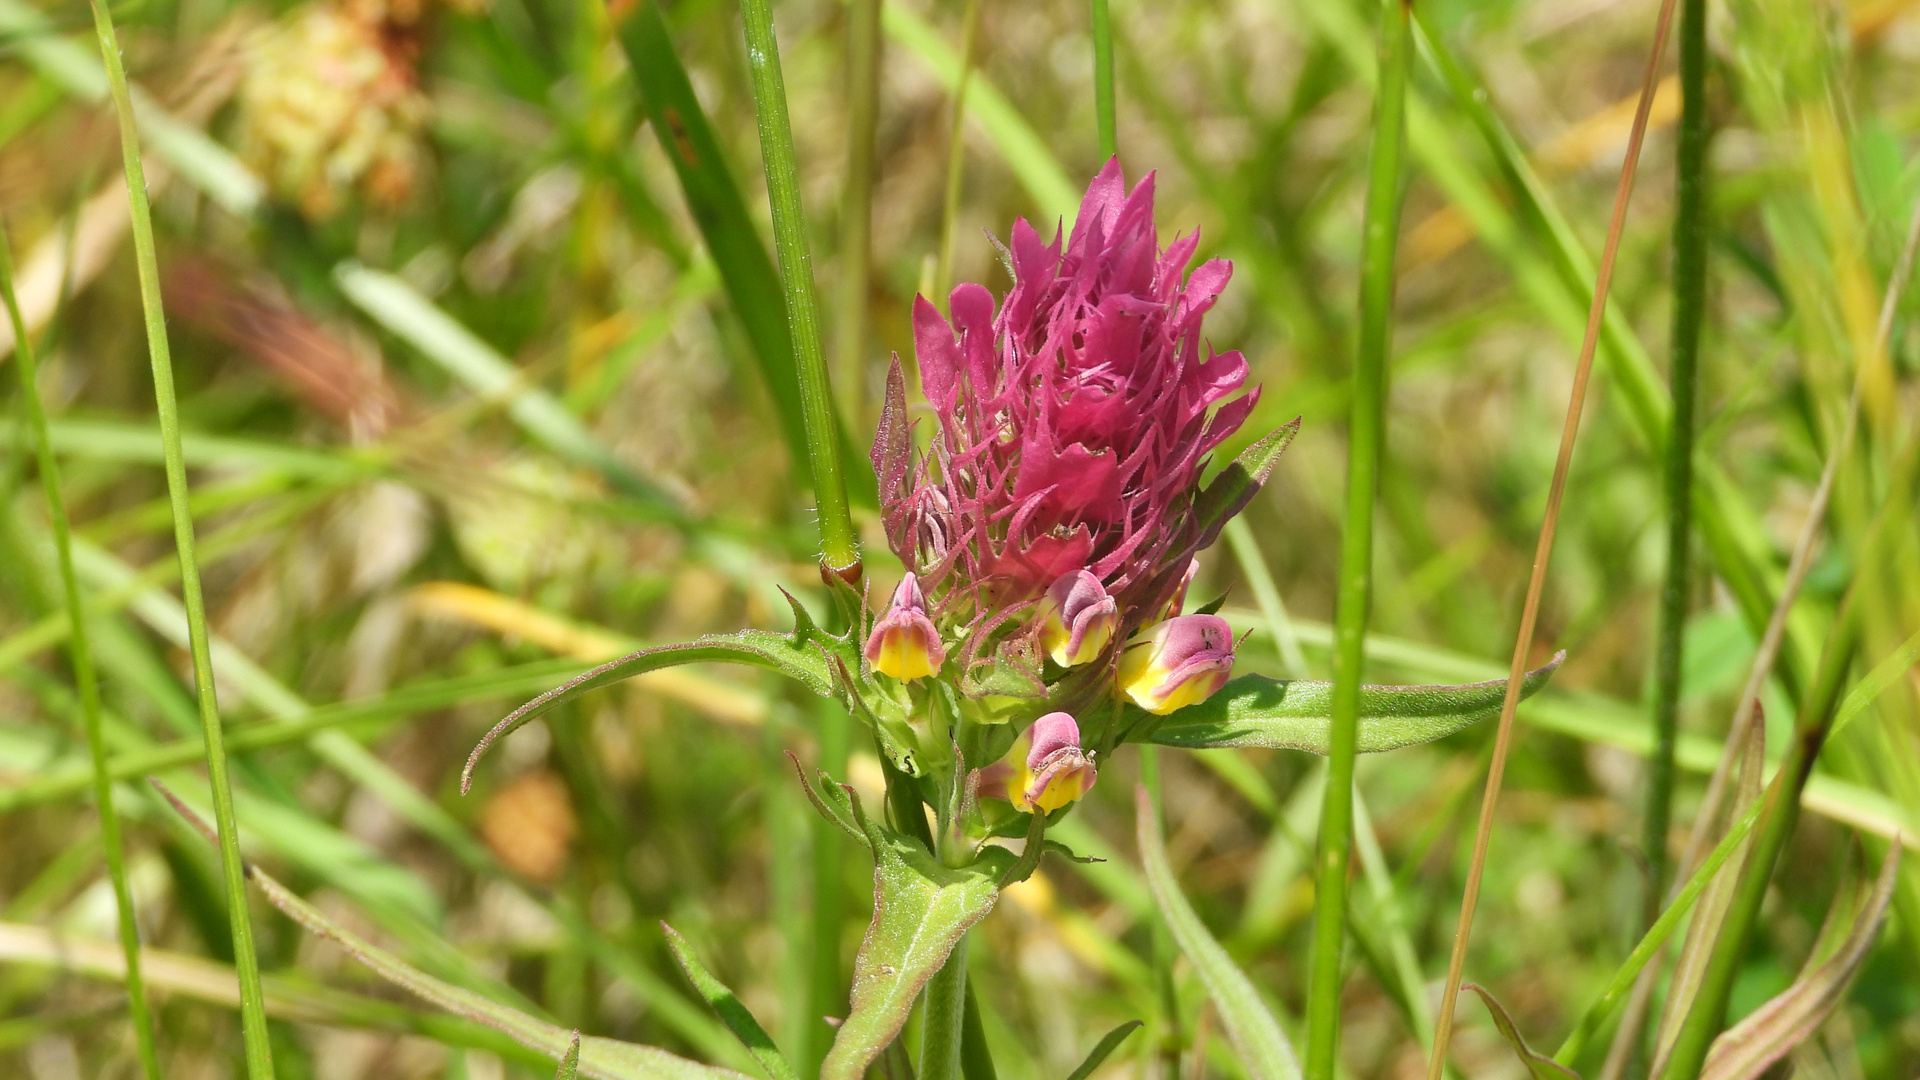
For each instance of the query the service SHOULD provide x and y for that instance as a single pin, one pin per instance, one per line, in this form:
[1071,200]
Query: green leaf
[1539,1066]
[921,909]
[1108,1044]
[802,655]
[570,1065]
[1229,492]
[1749,1048]
[728,1007]
[600,1059]
[1250,1024]
[1254,710]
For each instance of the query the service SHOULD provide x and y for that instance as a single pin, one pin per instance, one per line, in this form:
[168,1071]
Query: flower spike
[1177,663]
[1077,619]
[905,644]
[1057,771]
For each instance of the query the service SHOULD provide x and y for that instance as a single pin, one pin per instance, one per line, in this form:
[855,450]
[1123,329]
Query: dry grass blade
[1751,1047]
[1543,551]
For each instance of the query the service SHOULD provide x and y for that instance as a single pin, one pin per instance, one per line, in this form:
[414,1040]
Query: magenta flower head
[905,644]
[1074,419]
[1176,663]
[1077,619]
[1057,771]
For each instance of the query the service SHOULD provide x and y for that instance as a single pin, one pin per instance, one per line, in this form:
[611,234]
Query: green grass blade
[1366,436]
[253,1017]
[839,545]
[1248,1022]
[1690,236]
[729,1008]
[405,313]
[956,153]
[856,210]
[1104,111]
[81,654]
[1107,1045]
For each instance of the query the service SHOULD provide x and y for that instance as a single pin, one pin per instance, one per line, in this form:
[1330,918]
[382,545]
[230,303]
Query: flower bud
[1177,663]
[905,644]
[1057,771]
[1077,619]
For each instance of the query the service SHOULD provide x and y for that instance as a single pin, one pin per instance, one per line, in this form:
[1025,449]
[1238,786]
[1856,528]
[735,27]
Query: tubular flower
[1073,421]
[1177,663]
[905,644]
[1057,771]
[1076,619]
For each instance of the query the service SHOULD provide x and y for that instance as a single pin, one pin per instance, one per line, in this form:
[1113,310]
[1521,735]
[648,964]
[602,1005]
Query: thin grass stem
[839,546]
[1366,436]
[1543,549]
[253,1015]
[84,675]
[1105,112]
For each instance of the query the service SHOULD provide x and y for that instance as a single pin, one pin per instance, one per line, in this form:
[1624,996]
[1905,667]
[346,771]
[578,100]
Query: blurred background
[473,398]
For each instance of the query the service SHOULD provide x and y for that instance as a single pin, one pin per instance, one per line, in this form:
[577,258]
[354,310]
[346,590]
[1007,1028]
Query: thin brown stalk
[1543,550]
[1744,715]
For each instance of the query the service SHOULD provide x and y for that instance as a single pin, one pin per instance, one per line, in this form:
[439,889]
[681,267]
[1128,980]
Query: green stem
[1689,313]
[856,206]
[253,1015]
[944,1018]
[839,548]
[83,670]
[1164,950]
[1103,103]
[1365,436]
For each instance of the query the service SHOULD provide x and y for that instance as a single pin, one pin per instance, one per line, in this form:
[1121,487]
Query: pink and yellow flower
[1176,663]
[1076,619]
[905,644]
[1055,771]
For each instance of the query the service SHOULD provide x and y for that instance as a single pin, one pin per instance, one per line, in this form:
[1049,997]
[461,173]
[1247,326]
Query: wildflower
[1074,421]
[1076,619]
[905,644]
[1057,771]
[1176,663]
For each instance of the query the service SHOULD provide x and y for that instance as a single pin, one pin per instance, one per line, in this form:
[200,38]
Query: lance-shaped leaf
[1538,1065]
[1108,1044]
[600,1059]
[921,909]
[570,1065]
[1750,1047]
[729,1008]
[804,656]
[1254,710]
[1236,485]
[1250,1024]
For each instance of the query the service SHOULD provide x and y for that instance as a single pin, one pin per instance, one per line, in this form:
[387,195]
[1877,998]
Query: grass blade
[728,1007]
[1249,1023]
[1104,110]
[253,1017]
[1107,1045]
[81,654]
[956,153]
[856,209]
[839,546]
[1366,436]
[1543,550]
